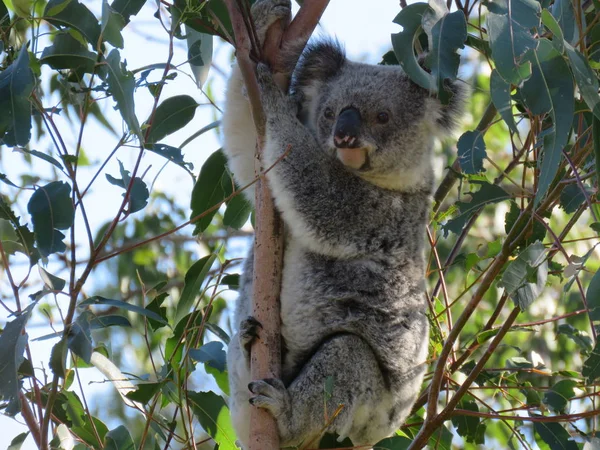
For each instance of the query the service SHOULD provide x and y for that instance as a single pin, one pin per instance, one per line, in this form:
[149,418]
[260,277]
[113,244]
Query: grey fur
[352,301]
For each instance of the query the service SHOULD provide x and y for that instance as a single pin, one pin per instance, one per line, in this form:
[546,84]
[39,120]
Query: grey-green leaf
[550,90]
[213,415]
[51,209]
[200,50]
[139,194]
[171,115]
[500,93]
[72,14]
[593,297]
[555,436]
[586,79]
[66,52]
[112,24]
[12,345]
[193,282]
[79,338]
[127,8]
[558,396]
[403,43]
[211,353]
[509,24]
[213,186]
[237,212]
[591,366]
[16,84]
[448,35]
[525,277]
[471,152]
[564,13]
[118,439]
[121,83]
[98,300]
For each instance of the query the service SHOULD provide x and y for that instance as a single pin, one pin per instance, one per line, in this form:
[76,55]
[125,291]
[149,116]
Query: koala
[351,150]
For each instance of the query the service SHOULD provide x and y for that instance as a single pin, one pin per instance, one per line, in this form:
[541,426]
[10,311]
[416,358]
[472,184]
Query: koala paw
[248,332]
[266,12]
[270,394]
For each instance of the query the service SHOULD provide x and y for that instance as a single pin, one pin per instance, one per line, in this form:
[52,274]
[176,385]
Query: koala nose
[347,129]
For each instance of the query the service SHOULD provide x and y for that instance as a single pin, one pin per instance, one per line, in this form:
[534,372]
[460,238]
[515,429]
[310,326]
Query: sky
[363,30]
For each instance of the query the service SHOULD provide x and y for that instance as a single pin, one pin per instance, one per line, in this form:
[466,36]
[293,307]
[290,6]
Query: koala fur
[352,300]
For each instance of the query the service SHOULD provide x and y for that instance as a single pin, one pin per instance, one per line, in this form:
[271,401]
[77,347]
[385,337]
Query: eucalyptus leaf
[122,85]
[509,24]
[51,209]
[213,414]
[72,14]
[66,52]
[193,282]
[410,19]
[471,152]
[171,115]
[16,84]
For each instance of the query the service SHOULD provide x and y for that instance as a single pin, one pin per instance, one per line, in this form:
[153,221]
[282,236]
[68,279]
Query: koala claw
[248,332]
[266,12]
[270,394]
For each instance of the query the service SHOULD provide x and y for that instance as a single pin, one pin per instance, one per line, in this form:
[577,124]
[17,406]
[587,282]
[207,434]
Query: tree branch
[268,244]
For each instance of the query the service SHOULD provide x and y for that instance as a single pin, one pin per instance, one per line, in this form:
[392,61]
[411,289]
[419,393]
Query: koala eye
[383,117]
[329,113]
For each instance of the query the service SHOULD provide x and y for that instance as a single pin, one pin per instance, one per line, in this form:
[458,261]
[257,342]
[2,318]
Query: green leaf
[16,84]
[98,300]
[586,79]
[200,50]
[500,93]
[571,198]
[17,442]
[72,14]
[471,152]
[593,297]
[40,155]
[52,282]
[550,90]
[517,278]
[558,396]
[213,415]
[579,337]
[591,366]
[144,392]
[138,196]
[171,115]
[79,338]
[58,359]
[211,354]
[410,19]
[155,307]
[12,345]
[111,320]
[441,439]
[554,27]
[121,83]
[237,212]
[51,209]
[487,194]
[66,52]
[118,439]
[127,8]
[194,278]
[213,186]
[564,13]
[555,436]
[173,154]
[4,19]
[469,427]
[393,443]
[25,237]
[509,24]
[112,24]
[448,35]
[536,230]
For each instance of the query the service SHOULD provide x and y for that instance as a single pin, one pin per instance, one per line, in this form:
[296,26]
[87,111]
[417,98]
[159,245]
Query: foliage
[513,278]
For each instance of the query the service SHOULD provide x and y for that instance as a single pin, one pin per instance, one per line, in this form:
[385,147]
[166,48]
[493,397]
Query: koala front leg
[357,406]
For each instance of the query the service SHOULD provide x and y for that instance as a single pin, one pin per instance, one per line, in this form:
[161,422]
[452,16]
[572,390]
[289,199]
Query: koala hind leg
[304,410]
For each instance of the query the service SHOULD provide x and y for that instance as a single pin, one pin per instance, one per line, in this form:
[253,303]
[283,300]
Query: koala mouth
[356,158]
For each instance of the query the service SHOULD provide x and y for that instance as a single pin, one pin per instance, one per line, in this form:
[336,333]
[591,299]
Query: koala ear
[451,113]
[320,61]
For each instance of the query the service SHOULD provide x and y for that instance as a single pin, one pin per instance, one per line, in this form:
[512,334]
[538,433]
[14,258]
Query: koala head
[372,118]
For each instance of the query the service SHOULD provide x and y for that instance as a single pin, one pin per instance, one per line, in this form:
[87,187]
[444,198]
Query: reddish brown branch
[268,244]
